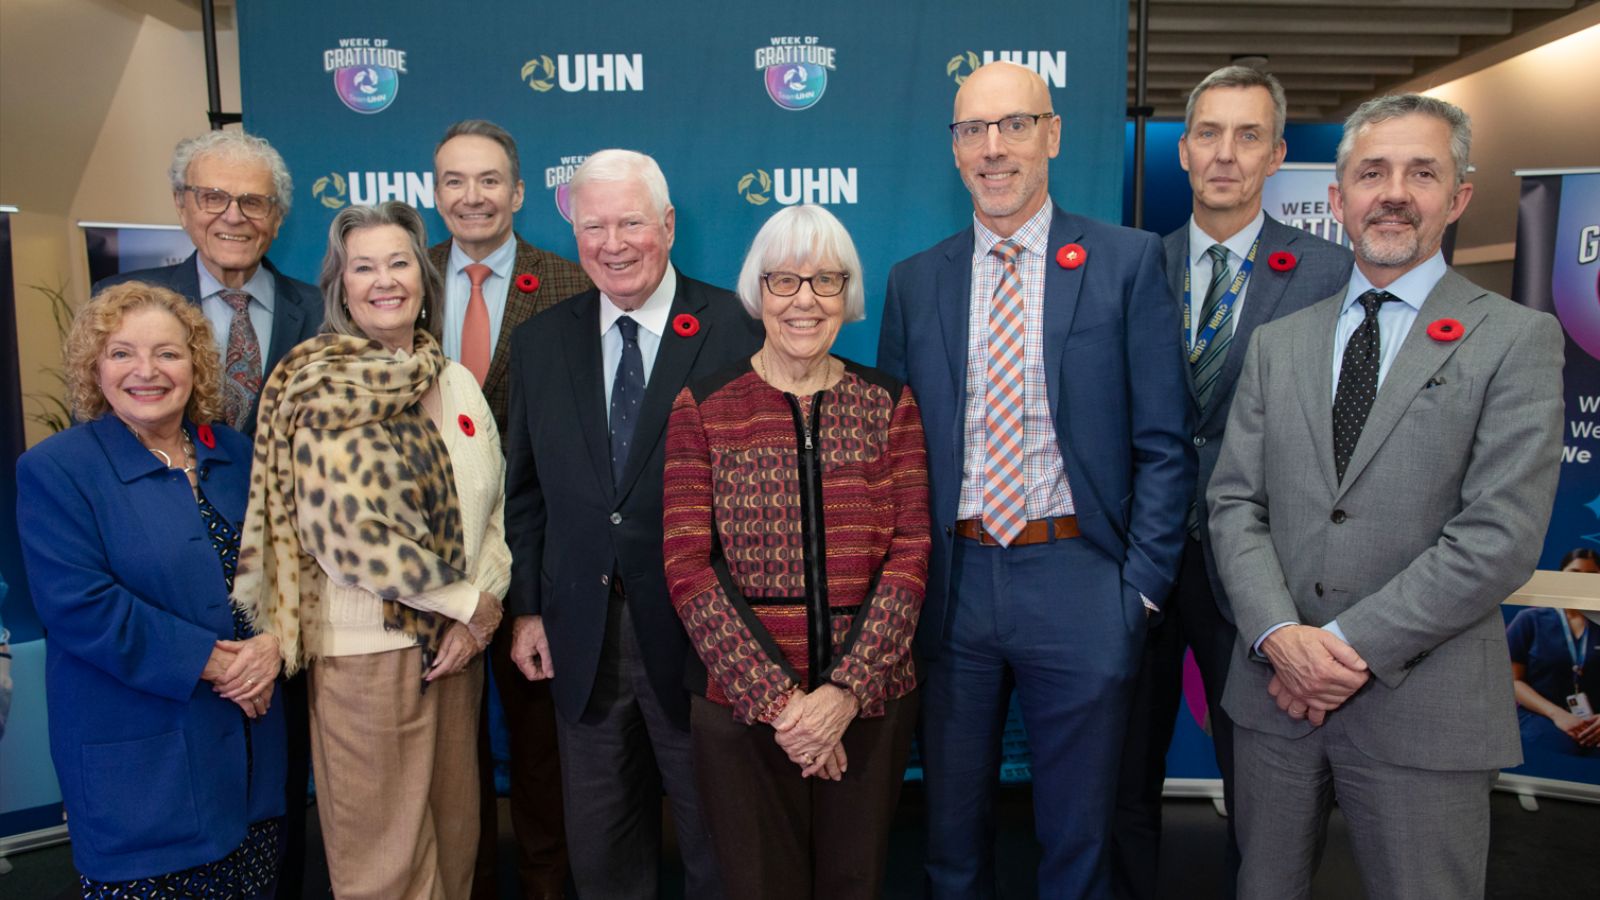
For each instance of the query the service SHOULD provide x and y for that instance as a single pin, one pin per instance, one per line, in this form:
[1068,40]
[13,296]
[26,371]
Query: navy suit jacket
[1321,269]
[1115,372]
[131,594]
[570,527]
[296,313]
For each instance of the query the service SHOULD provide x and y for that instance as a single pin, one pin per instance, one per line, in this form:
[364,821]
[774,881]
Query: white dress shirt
[652,318]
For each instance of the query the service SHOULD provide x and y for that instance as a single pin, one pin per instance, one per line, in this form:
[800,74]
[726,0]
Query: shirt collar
[259,286]
[1238,243]
[499,262]
[1034,235]
[652,314]
[1411,288]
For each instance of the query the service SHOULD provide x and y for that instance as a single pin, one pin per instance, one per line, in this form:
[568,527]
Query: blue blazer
[1117,392]
[296,313]
[151,762]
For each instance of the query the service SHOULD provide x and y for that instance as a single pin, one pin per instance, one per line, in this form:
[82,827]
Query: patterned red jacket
[769,543]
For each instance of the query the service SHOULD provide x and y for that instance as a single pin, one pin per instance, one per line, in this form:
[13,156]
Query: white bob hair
[799,236]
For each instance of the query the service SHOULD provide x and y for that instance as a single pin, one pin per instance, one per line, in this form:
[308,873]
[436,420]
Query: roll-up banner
[1555,650]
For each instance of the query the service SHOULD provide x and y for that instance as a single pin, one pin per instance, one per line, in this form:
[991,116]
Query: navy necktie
[627,392]
[1358,381]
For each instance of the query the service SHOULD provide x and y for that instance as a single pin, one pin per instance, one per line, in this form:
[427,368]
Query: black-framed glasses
[215,201]
[823,284]
[1015,129]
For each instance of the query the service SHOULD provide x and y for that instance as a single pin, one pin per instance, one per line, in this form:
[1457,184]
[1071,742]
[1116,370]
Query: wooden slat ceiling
[1329,54]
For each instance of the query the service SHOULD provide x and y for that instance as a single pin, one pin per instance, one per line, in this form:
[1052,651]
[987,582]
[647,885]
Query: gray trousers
[1416,833]
[615,763]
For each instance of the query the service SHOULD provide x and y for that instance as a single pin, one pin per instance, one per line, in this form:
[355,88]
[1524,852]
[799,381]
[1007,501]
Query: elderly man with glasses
[232,191]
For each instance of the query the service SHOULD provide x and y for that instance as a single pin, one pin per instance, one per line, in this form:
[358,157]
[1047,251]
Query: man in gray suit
[1232,268]
[1389,468]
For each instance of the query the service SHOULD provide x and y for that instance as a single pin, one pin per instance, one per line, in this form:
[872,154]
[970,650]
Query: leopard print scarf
[350,471]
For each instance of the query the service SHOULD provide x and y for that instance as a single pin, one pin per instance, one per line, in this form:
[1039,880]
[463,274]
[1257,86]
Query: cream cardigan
[352,621]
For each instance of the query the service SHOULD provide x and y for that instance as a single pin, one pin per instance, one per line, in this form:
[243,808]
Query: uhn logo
[833,186]
[1050,64]
[372,188]
[574,72]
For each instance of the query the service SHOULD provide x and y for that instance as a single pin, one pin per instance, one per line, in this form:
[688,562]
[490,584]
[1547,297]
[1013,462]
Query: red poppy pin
[1071,256]
[1445,330]
[527,283]
[685,325]
[467,428]
[206,436]
[1282,261]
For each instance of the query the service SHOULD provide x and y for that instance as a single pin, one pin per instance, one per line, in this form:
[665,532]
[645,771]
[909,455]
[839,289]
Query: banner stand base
[33,840]
[1527,788]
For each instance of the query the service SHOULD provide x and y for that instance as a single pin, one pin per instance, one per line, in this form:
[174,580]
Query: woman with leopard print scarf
[374,550]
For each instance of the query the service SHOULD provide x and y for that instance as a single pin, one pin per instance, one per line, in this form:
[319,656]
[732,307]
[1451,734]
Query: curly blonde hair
[102,316]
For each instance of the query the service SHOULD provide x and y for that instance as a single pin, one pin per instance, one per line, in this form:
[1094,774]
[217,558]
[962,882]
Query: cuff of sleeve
[458,600]
[1148,605]
[1255,648]
[1334,629]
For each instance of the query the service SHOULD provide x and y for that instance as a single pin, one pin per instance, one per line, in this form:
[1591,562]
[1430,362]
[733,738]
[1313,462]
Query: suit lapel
[1313,356]
[584,362]
[520,306]
[1061,286]
[674,361]
[1177,246]
[286,317]
[186,278]
[1419,358]
[954,285]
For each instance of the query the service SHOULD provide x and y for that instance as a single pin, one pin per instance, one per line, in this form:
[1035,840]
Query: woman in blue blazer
[169,753]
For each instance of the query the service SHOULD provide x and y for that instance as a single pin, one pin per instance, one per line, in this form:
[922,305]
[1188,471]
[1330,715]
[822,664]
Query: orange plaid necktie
[1004,488]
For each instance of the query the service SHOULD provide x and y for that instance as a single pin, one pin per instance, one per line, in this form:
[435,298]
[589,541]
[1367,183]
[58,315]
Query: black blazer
[570,527]
[1321,270]
[296,313]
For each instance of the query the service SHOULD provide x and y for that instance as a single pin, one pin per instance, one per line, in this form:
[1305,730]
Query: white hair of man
[1381,109]
[611,166]
[233,146]
[800,236]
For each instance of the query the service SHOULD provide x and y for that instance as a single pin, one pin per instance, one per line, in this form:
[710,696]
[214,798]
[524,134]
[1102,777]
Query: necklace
[188,450]
[801,388]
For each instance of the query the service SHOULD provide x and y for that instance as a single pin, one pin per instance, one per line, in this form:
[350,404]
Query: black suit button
[616,518]
[1319,589]
[1337,517]
[1199,440]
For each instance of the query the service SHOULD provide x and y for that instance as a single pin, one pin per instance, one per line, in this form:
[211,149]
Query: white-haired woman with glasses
[797,542]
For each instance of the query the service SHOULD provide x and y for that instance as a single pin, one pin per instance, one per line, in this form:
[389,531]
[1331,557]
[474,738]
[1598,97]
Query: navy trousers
[1054,622]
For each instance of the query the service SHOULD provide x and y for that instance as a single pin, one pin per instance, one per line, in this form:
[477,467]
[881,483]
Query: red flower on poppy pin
[467,428]
[1282,261]
[527,283]
[1071,256]
[1445,330]
[685,325]
[206,436]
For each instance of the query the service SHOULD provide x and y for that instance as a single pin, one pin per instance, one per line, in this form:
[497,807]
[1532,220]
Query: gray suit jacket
[1321,268]
[1441,515]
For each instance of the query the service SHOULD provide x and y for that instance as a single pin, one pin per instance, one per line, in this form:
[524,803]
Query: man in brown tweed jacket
[494,280]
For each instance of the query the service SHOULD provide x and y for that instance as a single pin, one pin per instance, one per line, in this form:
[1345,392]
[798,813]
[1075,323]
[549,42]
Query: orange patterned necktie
[475,325]
[1005,498]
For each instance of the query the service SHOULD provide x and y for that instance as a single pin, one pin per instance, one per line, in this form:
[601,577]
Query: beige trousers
[396,771]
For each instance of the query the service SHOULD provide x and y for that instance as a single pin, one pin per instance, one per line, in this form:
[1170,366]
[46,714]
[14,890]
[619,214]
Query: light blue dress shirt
[263,297]
[652,318]
[458,290]
[1238,246]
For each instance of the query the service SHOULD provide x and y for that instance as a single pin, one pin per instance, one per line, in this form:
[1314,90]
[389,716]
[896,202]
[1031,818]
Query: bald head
[1006,84]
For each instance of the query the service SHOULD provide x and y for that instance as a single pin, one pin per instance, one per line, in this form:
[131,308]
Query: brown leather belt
[1036,531]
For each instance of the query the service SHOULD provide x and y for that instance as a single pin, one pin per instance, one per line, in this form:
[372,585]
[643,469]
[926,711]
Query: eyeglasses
[823,284]
[215,202]
[1015,129]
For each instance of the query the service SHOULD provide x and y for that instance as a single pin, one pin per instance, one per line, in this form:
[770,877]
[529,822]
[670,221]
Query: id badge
[1578,705]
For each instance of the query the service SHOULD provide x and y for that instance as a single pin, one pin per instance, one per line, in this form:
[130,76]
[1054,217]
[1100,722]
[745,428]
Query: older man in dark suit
[1232,268]
[494,281]
[592,383]
[1390,463]
[232,191]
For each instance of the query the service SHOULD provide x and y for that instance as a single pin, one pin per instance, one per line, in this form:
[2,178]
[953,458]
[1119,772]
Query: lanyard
[1573,649]
[1209,330]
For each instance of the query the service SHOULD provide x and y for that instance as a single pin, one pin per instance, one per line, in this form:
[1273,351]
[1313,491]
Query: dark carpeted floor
[1544,855]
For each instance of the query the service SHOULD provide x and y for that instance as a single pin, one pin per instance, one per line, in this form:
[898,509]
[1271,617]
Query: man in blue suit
[1232,143]
[1043,348]
[232,191]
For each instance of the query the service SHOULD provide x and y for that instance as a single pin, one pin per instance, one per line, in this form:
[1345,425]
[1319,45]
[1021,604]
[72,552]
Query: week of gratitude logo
[795,70]
[558,181]
[366,73]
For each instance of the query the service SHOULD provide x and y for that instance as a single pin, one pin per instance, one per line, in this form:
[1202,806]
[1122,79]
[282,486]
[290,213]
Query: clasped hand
[464,640]
[245,672]
[1314,671]
[810,728]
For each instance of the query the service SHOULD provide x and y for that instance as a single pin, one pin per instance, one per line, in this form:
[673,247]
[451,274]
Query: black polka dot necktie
[1358,381]
[627,392]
